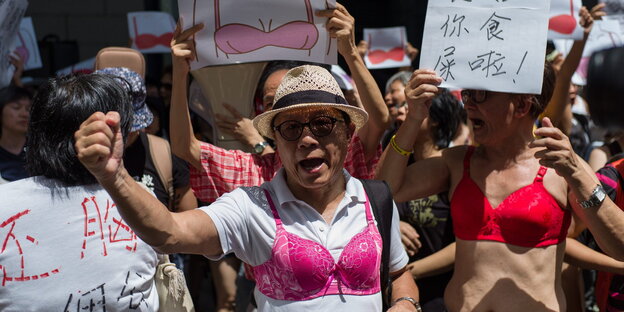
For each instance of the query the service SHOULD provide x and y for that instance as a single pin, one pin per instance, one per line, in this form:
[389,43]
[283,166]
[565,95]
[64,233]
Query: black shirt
[12,167]
[140,166]
[431,217]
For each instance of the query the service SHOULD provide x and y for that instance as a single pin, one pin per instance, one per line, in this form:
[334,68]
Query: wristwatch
[411,300]
[259,148]
[596,198]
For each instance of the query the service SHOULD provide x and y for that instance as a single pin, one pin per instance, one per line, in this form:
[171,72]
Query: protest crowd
[279,182]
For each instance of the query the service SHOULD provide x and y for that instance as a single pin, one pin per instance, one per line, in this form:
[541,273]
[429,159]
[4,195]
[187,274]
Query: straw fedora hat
[303,87]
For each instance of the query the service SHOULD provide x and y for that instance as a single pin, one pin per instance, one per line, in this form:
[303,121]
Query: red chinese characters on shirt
[10,241]
[100,224]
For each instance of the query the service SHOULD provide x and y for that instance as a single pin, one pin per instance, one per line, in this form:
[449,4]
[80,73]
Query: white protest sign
[86,66]
[238,31]
[11,13]
[564,20]
[25,45]
[487,44]
[386,47]
[151,32]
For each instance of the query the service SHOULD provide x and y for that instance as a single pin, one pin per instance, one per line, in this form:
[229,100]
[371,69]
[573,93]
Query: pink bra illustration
[301,269]
[238,38]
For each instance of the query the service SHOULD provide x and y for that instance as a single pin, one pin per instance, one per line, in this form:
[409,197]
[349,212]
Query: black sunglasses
[476,96]
[320,126]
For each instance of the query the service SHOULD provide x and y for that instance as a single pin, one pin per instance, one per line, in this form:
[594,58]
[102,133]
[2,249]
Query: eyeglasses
[476,96]
[320,126]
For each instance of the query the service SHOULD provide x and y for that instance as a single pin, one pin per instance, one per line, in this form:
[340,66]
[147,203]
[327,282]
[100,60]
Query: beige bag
[173,295]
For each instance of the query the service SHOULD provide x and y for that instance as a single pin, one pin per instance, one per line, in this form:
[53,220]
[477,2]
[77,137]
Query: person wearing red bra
[508,208]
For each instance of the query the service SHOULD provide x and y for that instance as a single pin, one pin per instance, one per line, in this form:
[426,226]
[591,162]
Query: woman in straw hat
[309,233]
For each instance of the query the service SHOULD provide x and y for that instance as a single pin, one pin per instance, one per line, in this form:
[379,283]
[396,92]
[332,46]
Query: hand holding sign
[259,30]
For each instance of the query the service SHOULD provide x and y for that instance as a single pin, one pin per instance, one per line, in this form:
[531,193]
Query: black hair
[58,109]
[274,66]
[12,94]
[446,114]
[540,101]
[604,83]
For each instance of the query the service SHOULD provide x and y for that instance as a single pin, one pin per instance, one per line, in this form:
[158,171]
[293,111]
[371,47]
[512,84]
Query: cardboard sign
[25,45]
[487,44]
[239,31]
[11,13]
[386,47]
[564,20]
[86,66]
[151,32]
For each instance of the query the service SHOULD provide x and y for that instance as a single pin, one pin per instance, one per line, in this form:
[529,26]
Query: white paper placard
[487,44]
[386,47]
[86,66]
[25,45]
[564,20]
[151,32]
[240,31]
[11,13]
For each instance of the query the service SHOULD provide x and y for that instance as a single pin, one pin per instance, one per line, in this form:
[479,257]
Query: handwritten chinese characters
[496,45]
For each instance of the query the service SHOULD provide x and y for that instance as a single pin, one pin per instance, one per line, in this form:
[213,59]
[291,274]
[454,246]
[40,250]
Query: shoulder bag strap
[161,157]
[381,203]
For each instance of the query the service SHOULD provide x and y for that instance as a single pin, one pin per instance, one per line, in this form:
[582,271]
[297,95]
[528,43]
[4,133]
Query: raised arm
[341,26]
[559,109]
[605,220]
[183,141]
[425,177]
[99,147]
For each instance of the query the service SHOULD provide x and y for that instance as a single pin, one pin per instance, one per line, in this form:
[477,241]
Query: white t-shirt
[67,249]
[246,227]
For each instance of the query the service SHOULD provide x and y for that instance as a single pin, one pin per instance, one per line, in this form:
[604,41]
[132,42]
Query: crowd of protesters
[491,201]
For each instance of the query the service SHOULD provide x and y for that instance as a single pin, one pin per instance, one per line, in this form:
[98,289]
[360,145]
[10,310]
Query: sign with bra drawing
[239,31]
[605,34]
[151,32]
[564,20]
[386,47]
[487,44]
[25,45]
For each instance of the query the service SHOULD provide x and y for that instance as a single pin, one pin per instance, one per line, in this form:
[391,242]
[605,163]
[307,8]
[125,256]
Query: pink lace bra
[240,38]
[302,269]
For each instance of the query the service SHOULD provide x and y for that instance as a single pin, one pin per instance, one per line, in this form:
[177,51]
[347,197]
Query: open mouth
[312,164]
[477,123]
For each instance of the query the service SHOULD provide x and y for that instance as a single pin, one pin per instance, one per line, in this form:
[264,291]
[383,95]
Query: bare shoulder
[557,187]
[454,159]
[454,156]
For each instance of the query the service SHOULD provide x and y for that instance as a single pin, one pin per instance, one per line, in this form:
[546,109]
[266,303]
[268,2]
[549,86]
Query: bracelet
[397,148]
[411,300]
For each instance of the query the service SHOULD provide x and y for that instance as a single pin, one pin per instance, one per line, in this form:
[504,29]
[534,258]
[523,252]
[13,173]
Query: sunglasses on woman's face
[476,96]
[320,126]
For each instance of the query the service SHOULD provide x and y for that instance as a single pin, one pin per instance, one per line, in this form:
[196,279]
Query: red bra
[528,217]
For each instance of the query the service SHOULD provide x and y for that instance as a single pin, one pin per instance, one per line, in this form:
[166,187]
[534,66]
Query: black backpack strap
[381,203]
